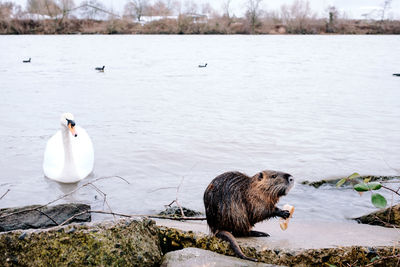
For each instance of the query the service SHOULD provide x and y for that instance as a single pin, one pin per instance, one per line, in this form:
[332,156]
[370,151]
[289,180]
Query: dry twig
[8,190]
[134,215]
[381,259]
[63,196]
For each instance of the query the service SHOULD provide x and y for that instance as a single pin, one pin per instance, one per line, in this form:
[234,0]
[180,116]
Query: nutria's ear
[260,176]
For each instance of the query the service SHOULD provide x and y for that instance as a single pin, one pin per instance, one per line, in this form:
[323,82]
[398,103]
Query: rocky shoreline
[164,242]
[144,242]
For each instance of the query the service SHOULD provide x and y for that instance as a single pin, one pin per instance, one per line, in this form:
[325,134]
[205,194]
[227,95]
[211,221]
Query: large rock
[194,257]
[387,217]
[42,217]
[302,244]
[126,243]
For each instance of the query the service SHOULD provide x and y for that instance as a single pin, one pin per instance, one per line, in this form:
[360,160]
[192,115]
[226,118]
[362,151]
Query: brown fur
[235,202]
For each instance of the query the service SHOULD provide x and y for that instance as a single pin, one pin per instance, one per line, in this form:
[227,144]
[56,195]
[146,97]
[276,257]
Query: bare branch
[151,216]
[387,164]
[134,215]
[384,258]
[390,189]
[8,190]
[65,195]
[104,197]
[38,210]
[161,188]
[73,217]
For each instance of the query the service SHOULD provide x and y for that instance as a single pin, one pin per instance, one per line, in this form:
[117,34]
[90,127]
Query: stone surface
[126,243]
[176,212]
[386,217]
[333,181]
[194,257]
[34,217]
[303,244]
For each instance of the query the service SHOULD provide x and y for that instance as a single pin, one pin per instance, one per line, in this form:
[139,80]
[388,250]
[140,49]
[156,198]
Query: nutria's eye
[273,176]
[260,176]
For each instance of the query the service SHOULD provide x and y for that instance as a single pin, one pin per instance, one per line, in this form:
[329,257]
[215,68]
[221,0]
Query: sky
[352,8]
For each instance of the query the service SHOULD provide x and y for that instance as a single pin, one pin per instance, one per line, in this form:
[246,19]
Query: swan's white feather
[83,157]
[53,162]
[82,149]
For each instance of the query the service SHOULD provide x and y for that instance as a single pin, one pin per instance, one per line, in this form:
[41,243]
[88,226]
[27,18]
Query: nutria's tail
[225,235]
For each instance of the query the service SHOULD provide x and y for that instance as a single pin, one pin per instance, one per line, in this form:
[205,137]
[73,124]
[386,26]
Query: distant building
[34,16]
[196,18]
[147,19]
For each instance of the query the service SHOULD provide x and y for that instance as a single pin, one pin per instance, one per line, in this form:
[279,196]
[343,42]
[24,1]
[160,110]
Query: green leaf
[361,187]
[374,185]
[378,200]
[341,182]
[354,175]
[375,258]
[366,180]
[330,265]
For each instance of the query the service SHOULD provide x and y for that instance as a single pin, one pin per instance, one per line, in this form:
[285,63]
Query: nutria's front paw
[284,214]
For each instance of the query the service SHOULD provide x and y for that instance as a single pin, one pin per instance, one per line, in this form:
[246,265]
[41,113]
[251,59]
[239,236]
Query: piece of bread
[284,223]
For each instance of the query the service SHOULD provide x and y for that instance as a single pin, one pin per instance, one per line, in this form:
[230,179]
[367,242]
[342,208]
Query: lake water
[313,106]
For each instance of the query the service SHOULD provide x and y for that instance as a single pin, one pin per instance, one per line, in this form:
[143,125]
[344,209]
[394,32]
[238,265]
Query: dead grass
[185,25]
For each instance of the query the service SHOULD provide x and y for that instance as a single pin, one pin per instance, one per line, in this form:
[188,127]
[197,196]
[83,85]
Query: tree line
[176,17]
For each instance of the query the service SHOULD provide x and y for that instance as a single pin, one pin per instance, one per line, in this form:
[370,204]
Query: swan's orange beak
[72,129]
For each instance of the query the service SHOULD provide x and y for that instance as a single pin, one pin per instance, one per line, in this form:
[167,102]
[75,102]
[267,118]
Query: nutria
[234,202]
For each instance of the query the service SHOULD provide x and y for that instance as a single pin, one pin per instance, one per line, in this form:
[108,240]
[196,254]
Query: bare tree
[226,7]
[93,9]
[161,8]
[332,20]
[253,13]
[206,9]
[175,6]
[66,6]
[43,7]
[297,16]
[135,8]
[8,10]
[190,7]
[386,6]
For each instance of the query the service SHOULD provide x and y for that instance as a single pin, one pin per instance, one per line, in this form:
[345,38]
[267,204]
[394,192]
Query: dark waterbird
[203,66]
[27,61]
[396,74]
[100,68]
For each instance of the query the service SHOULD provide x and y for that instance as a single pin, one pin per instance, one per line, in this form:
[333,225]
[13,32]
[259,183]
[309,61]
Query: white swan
[69,155]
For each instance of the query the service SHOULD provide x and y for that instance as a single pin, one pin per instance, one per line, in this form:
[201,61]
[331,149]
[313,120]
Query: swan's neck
[69,164]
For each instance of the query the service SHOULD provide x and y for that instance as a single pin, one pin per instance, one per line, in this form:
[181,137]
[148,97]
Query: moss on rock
[333,181]
[142,243]
[177,213]
[127,243]
[386,217]
[173,239]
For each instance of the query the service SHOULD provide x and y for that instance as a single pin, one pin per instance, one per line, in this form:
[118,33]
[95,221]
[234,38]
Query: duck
[396,74]
[69,155]
[100,68]
[203,66]
[26,61]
